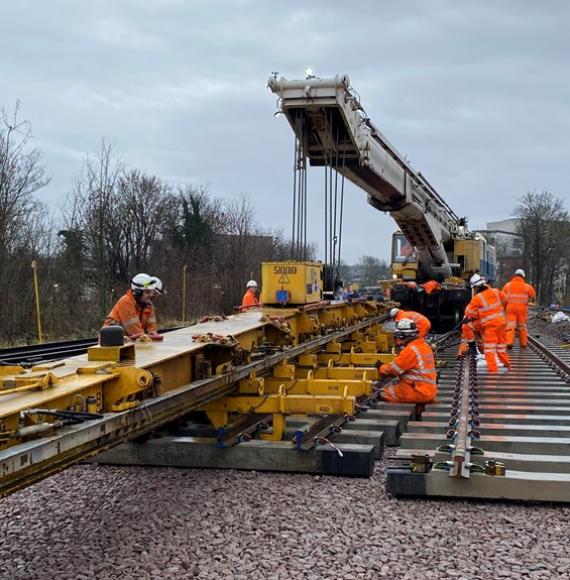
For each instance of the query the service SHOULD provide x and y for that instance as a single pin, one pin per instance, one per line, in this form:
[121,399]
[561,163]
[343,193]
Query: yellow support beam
[345,373]
[283,403]
[320,387]
[354,358]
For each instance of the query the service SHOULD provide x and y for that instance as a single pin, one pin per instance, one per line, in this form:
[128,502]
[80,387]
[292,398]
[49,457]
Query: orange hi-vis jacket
[135,318]
[518,291]
[423,323]
[249,300]
[415,367]
[518,295]
[487,307]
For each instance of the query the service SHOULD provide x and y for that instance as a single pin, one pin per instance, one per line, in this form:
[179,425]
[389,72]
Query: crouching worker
[414,367]
[423,323]
[470,332]
[135,312]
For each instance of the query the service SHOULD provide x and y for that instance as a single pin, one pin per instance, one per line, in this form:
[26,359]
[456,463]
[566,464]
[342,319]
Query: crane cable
[333,196]
[333,207]
[299,217]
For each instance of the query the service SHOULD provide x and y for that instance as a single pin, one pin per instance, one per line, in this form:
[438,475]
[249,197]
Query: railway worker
[250,299]
[487,307]
[423,324]
[518,292]
[135,312]
[414,367]
[470,332]
[431,286]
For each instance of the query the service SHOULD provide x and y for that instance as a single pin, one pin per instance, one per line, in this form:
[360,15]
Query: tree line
[118,221]
[544,227]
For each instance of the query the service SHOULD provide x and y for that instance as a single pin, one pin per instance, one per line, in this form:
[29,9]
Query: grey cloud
[474,93]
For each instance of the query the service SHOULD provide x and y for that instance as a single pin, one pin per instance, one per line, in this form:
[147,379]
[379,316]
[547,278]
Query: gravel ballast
[129,522]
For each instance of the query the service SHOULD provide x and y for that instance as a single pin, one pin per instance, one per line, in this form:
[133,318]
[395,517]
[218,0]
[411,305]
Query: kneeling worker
[423,324]
[414,366]
[135,312]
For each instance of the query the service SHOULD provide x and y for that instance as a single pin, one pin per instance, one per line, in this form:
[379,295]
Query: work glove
[378,364]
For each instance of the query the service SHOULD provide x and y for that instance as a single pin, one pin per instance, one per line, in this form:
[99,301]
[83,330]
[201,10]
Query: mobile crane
[332,130]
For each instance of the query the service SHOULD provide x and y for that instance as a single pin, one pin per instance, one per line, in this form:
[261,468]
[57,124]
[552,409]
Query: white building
[508,245]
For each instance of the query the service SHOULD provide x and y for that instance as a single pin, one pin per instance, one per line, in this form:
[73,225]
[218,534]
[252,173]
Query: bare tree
[544,228]
[372,269]
[22,221]
[21,175]
[147,207]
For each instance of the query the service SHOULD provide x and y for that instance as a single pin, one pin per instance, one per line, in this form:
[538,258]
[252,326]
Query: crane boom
[331,126]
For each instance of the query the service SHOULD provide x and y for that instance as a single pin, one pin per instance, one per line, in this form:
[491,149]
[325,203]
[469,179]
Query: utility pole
[37,293]
[184,269]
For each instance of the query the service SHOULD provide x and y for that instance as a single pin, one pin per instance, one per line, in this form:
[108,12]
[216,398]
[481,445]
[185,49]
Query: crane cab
[404,258]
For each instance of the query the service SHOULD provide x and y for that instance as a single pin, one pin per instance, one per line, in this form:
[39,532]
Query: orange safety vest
[423,323]
[415,364]
[249,300]
[487,306]
[135,318]
[518,291]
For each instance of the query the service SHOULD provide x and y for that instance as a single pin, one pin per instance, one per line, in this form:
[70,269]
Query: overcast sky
[475,94]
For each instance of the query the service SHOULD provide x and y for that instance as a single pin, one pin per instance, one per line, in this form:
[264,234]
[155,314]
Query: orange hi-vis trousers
[517,318]
[404,392]
[495,345]
[469,332]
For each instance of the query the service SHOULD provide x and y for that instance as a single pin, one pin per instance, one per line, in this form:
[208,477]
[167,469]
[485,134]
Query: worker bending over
[423,324]
[135,312]
[519,293]
[414,367]
[250,299]
[470,332]
[487,307]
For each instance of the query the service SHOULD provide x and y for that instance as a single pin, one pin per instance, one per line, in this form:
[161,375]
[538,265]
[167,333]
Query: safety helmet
[476,281]
[406,329]
[251,284]
[159,286]
[519,272]
[145,282]
[393,312]
[142,282]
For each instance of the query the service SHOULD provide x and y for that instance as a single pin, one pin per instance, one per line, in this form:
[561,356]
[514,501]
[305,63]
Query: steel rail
[52,350]
[550,357]
[27,463]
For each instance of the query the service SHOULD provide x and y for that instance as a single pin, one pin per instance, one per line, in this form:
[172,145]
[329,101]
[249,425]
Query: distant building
[508,245]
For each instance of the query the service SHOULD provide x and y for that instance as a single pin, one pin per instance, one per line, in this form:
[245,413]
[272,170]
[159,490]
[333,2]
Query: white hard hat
[519,272]
[142,282]
[158,285]
[251,284]
[405,328]
[476,280]
[393,312]
[146,282]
